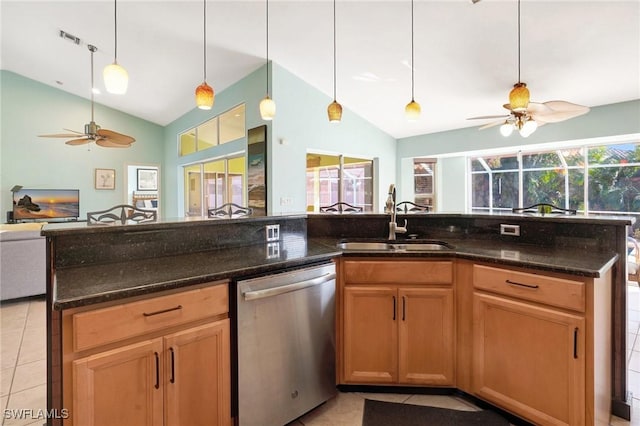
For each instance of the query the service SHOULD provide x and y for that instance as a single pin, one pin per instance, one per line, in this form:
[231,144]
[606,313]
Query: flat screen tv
[46,204]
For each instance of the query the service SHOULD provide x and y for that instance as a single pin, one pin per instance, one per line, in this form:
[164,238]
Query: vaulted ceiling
[586,52]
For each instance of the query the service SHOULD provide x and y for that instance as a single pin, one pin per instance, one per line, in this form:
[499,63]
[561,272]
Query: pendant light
[412,110]
[116,78]
[335,109]
[267,106]
[519,96]
[204,92]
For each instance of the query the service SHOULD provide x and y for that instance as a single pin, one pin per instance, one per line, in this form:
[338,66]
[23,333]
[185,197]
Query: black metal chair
[545,208]
[341,207]
[123,214]
[229,210]
[410,207]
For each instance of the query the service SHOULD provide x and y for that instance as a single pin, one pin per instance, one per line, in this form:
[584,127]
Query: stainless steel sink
[395,246]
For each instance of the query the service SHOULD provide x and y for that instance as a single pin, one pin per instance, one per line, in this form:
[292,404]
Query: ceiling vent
[70,37]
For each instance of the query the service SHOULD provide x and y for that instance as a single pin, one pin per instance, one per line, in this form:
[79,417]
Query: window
[596,179]
[337,178]
[213,183]
[226,127]
[424,175]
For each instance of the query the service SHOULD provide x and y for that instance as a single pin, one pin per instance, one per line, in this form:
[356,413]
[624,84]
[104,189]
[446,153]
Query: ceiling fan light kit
[205,96]
[116,78]
[527,116]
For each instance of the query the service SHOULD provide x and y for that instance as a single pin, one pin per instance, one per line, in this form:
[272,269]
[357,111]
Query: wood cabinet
[397,322]
[538,345]
[171,366]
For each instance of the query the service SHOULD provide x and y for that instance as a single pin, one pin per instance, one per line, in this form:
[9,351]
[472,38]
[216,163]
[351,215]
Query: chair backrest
[545,208]
[229,210]
[410,207]
[633,259]
[123,214]
[341,207]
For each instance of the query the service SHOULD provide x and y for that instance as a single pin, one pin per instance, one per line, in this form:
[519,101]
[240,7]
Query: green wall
[29,108]
[300,125]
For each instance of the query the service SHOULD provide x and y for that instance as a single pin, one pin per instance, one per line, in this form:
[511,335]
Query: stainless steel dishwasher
[286,345]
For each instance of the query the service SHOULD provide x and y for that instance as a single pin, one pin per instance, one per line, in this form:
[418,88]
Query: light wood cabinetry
[396,322]
[170,366]
[537,345]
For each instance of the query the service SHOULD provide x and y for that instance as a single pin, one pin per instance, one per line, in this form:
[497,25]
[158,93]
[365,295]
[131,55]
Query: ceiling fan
[528,116]
[93,132]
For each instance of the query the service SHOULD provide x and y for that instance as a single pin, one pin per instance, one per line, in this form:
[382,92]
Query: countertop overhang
[77,286]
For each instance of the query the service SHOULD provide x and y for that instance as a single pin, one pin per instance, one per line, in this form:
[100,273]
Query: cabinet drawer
[107,325]
[559,292]
[398,271]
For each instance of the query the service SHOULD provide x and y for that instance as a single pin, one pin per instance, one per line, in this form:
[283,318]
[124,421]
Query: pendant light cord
[334,50]
[518,41]
[267,47]
[412,67]
[115,32]
[204,15]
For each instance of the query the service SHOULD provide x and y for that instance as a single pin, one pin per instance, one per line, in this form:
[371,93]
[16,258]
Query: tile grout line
[15,366]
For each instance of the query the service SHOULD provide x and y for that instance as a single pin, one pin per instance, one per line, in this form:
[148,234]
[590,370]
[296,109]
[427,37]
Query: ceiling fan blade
[73,131]
[538,108]
[81,141]
[116,137]
[566,106]
[61,135]
[108,143]
[557,116]
[486,117]
[492,124]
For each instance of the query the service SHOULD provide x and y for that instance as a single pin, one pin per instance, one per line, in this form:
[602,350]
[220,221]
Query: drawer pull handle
[173,371]
[521,284]
[394,308]
[157,385]
[575,343]
[164,311]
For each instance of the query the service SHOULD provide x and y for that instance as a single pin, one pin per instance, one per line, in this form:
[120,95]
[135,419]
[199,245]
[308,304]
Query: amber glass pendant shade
[267,108]
[204,96]
[335,112]
[519,97]
[412,110]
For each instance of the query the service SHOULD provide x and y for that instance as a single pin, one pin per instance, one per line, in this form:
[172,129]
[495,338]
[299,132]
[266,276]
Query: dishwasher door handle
[274,291]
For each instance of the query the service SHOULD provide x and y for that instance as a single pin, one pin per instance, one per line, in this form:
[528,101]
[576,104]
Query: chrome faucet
[390,207]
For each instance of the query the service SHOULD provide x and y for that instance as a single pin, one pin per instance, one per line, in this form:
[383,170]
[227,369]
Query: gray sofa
[22,261]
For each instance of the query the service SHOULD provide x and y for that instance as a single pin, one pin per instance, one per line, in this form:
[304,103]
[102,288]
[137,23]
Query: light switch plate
[273,232]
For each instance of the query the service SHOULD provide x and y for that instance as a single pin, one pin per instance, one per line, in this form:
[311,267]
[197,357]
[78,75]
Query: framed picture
[105,179]
[257,172]
[147,179]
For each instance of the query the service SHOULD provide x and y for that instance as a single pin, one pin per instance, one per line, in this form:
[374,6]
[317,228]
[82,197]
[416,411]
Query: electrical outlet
[286,201]
[273,232]
[273,250]
[513,230]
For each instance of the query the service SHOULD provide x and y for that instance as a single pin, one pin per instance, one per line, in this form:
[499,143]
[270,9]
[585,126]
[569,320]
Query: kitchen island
[115,265]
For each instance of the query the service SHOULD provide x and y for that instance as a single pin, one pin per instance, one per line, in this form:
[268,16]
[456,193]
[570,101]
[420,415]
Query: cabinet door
[197,376]
[426,336]
[529,360]
[119,387]
[370,334]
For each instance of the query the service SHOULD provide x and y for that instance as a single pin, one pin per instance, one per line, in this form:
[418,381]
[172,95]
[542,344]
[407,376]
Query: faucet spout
[390,207]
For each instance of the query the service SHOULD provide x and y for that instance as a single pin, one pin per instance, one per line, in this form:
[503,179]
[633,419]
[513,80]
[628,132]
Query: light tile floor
[23,372]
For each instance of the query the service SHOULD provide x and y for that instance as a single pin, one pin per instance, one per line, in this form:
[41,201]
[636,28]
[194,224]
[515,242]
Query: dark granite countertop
[85,285]
[552,259]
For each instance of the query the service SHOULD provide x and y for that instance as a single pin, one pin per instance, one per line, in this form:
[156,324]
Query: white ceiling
[586,52]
